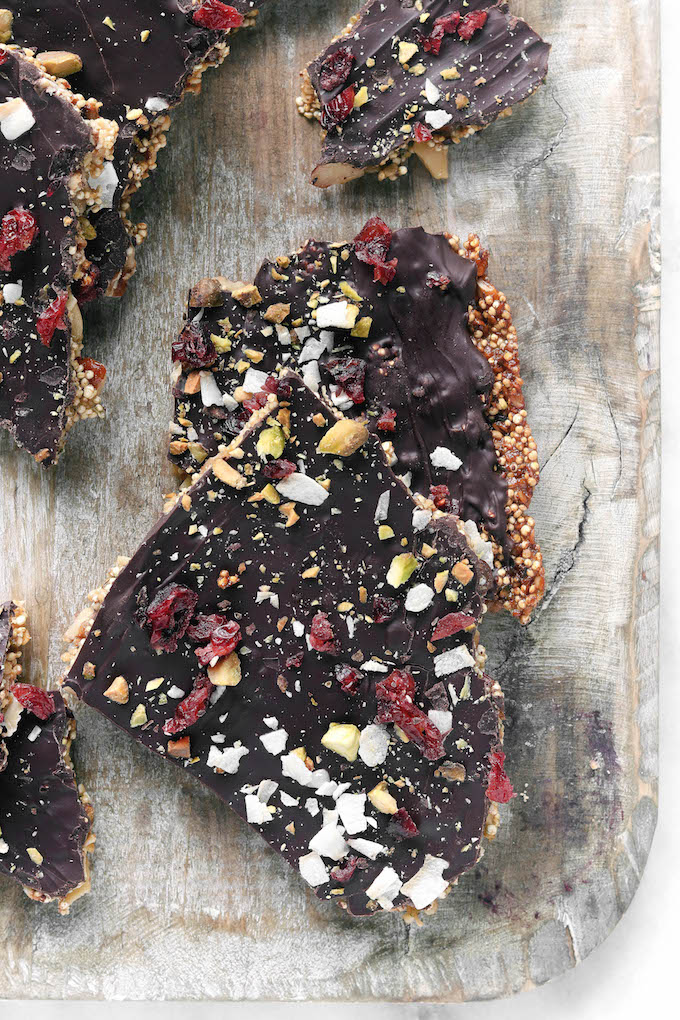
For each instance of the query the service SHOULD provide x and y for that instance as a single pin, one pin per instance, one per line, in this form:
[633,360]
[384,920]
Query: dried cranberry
[336,68]
[98,371]
[190,708]
[437,280]
[278,469]
[386,421]
[216,16]
[348,677]
[87,288]
[17,233]
[168,616]
[384,608]
[395,704]
[401,824]
[441,497]
[257,401]
[192,349]
[446,25]
[203,625]
[372,245]
[499,788]
[422,133]
[343,872]
[349,374]
[471,23]
[451,624]
[223,640]
[51,318]
[338,109]
[295,661]
[37,701]
[3,56]
[280,387]
[322,635]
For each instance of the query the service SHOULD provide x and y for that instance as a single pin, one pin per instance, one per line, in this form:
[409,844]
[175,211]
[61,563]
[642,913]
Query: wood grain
[187,903]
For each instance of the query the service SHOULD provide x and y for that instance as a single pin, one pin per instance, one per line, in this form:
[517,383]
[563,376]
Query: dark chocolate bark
[44,824]
[314,569]
[417,76]
[138,58]
[416,352]
[35,378]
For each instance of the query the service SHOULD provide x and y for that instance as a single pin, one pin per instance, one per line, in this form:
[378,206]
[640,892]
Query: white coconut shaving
[427,885]
[302,489]
[313,869]
[374,744]
[274,741]
[452,661]
[443,458]
[419,598]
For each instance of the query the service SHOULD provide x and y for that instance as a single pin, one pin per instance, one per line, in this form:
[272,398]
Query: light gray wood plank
[187,903]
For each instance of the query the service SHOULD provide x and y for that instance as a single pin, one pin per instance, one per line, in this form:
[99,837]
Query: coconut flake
[257,813]
[313,869]
[227,760]
[312,805]
[351,810]
[254,380]
[421,518]
[339,314]
[437,118]
[275,741]
[107,182]
[481,548]
[303,489]
[452,661]
[311,376]
[210,391]
[384,888]
[311,351]
[367,848]
[287,800]
[418,598]
[374,744]
[443,458]
[432,93]
[155,104]
[427,885]
[329,842]
[18,121]
[442,719]
[266,789]
[294,768]
[12,292]
[382,507]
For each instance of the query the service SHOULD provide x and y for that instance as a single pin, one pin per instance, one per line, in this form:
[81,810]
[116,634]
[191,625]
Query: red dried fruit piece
[387,420]
[98,371]
[471,23]
[349,374]
[278,469]
[168,616]
[372,245]
[87,289]
[203,625]
[401,824]
[348,677]
[451,624]
[216,16]
[343,872]
[422,133]
[338,109]
[280,387]
[223,640]
[190,708]
[441,497]
[37,701]
[499,788]
[192,349]
[384,608]
[395,704]
[51,319]
[3,57]
[17,233]
[336,68]
[294,661]
[322,635]
[446,25]
[437,280]
[255,402]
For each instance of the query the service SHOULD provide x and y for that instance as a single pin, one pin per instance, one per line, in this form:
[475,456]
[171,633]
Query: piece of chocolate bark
[53,153]
[300,634]
[412,77]
[46,833]
[402,327]
[138,59]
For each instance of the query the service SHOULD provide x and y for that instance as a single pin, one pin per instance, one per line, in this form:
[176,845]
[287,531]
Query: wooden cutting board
[187,902]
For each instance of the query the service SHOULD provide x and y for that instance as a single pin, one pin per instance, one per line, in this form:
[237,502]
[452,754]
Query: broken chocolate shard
[45,817]
[44,202]
[428,357]
[137,60]
[278,687]
[405,78]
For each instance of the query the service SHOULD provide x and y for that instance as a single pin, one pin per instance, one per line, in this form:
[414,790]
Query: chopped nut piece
[60,63]
[461,571]
[226,473]
[227,672]
[246,294]
[138,717]
[311,571]
[401,568]
[208,292]
[192,383]
[277,312]
[343,738]
[118,691]
[453,771]
[382,800]
[344,438]
[289,512]
[6,19]
[271,442]
[180,748]
[385,532]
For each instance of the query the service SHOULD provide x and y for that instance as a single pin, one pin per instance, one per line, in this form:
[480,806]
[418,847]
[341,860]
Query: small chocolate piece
[50,155]
[414,77]
[138,60]
[402,352]
[272,636]
[45,818]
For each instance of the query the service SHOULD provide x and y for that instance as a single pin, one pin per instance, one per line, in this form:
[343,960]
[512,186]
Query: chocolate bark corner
[405,78]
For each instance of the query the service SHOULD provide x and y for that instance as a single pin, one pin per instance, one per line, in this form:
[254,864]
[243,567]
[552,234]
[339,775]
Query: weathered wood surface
[187,903]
